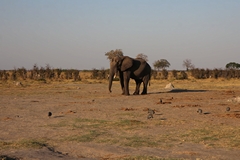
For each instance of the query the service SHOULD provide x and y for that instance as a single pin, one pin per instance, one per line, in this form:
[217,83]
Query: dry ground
[88,122]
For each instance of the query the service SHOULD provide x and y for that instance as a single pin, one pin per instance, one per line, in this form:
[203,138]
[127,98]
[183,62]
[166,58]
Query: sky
[76,34]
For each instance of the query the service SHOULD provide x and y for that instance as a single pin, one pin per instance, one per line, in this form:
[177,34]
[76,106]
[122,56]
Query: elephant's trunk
[111,75]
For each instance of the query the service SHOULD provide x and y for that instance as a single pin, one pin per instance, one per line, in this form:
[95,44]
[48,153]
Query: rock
[169,86]
[19,84]
[228,109]
[49,114]
[160,101]
[236,99]
[199,111]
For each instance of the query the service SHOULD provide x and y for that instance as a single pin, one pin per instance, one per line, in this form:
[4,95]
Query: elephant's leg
[121,82]
[138,84]
[145,84]
[126,79]
[144,88]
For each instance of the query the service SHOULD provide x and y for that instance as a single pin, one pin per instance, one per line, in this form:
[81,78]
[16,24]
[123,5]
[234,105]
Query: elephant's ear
[127,63]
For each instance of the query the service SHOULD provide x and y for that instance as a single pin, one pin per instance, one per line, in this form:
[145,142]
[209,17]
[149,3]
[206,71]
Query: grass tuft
[24,143]
[89,137]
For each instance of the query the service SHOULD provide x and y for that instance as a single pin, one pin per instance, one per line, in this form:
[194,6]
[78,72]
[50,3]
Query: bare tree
[142,56]
[187,63]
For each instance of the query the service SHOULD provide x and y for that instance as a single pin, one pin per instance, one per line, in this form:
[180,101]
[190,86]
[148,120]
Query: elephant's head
[118,64]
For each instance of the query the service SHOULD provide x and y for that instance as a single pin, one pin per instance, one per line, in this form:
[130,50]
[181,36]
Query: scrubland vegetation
[48,73]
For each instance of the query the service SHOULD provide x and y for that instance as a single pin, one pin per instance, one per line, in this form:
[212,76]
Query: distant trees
[215,73]
[113,53]
[161,64]
[232,65]
[142,56]
[187,63]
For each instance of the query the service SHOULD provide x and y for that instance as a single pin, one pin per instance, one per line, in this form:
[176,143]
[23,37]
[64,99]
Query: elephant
[127,67]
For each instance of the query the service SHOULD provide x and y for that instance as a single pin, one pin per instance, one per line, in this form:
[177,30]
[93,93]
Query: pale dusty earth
[88,122]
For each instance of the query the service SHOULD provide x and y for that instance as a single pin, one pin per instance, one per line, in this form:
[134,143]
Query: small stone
[19,84]
[228,109]
[49,114]
[169,86]
[199,111]
[160,101]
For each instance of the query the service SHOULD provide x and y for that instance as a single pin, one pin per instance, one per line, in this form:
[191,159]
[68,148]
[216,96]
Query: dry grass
[98,117]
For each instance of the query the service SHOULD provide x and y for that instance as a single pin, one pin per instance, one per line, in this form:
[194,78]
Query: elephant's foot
[143,93]
[136,93]
[127,94]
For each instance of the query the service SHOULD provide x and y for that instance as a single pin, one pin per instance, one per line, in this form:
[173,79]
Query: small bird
[149,116]
[228,109]
[161,101]
[150,111]
[49,114]
[199,111]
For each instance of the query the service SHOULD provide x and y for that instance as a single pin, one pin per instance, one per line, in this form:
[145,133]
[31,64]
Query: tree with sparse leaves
[187,63]
[232,65]
[161,64]
[142,56]
[111,54]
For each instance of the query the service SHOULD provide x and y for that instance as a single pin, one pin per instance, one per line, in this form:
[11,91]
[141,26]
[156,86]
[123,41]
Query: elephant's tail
[149,83]
[149,78]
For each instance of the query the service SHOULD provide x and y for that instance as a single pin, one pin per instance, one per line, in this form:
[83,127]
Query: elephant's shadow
[176,91]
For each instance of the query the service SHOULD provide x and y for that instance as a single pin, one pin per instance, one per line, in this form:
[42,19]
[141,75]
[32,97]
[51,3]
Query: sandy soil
[88,122]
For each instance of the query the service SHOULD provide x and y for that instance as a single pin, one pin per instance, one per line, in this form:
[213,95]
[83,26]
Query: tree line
[45,73]
[39,74]
[159,72]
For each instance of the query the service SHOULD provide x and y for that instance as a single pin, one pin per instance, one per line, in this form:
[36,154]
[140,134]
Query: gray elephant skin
[127,67]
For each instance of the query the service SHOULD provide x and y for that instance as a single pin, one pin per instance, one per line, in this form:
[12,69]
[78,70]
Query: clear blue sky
[75,34]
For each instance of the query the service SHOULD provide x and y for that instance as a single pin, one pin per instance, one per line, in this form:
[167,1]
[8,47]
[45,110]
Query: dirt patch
[188,105]
[127,109]
[234,115]
[91,123]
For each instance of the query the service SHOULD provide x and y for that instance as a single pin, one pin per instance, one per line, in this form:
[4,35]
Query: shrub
[216,73]
[57,73]
[4,75]
[164,74]
[154,74]
[94,73]
[76,76]
[68,74]
[14,75]
[49,73]
[22,72]
[207,73]
[182,75]
[34,72]
[102,74]
[198,73]
[174,73]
